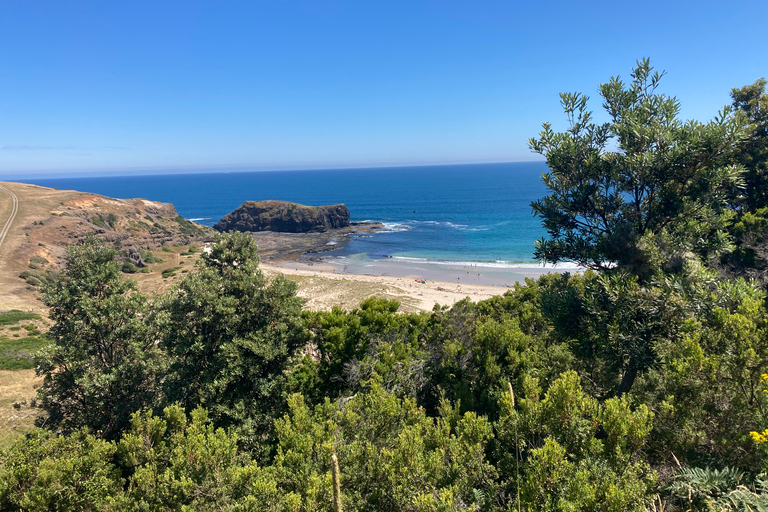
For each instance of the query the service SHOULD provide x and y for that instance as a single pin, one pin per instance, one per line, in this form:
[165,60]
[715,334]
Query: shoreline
[328,251]
[460,272]
[326,284]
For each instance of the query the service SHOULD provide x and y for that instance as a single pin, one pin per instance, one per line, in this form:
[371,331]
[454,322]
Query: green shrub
[148,257]
[15,316]
[129,267]
[32,329]
[36,277]
[34,281]
[189,228]
[99,221]
[18,354]
[170,272]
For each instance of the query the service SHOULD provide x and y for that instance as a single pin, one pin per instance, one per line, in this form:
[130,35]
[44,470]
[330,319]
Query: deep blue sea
[458,213]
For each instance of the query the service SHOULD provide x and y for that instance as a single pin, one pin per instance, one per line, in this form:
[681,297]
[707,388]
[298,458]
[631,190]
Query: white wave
[490,264]
[446,224]
[392,227]
[199,218]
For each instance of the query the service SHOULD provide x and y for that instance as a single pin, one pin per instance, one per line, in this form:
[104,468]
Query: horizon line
[180,170]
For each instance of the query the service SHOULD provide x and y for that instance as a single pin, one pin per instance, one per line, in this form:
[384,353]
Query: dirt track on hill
[11,217]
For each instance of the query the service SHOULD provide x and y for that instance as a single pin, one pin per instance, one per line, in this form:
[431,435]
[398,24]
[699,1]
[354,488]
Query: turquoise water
[460,214]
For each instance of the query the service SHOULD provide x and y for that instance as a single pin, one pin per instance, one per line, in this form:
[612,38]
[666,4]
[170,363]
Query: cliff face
[284,217]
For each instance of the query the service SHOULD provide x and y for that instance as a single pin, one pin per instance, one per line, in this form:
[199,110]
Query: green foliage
[473,356]
[752,102]
[159,227]
[718,490]
[645,205]
[35,262]
[372,341]
[230,335]
[189,228]
[580,454]
[393,457]
[18,354]
[32,329]
[180,463]
[38,278]
[15,316]
[151,228]
[707,394]
[750,256]
[46,472]
[103,363]
[614,325]
[170,272]
[148,257]
[129,268]
[99,221]
[172,463]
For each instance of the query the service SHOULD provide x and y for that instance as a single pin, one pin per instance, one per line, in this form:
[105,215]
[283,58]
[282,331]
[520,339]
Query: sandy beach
[325,285]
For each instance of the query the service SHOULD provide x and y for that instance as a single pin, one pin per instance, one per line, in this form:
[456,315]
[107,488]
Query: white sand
[324,286]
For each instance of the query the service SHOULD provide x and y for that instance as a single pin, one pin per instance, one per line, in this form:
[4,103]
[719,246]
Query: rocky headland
[285,217]
[289,231]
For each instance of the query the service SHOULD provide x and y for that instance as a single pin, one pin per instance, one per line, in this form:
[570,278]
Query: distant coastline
[458,216]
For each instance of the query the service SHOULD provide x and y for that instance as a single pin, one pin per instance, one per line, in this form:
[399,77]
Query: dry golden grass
[322,293]
[35,205]
[154,283]
[17,387]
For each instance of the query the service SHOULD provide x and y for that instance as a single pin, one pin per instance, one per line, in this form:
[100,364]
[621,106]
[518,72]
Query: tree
[640,192]
[103,365]
[230,334]
[613,325]
[752,101]
[750,226]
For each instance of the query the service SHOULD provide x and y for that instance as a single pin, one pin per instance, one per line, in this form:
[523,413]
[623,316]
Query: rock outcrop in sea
[284,217]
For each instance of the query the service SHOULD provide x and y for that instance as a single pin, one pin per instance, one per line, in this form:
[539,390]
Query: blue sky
[110,87]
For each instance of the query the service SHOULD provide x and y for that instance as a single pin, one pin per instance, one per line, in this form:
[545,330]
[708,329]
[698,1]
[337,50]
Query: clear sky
[114,86]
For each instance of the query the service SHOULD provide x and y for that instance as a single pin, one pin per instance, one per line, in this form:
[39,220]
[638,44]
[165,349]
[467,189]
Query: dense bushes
[223,394]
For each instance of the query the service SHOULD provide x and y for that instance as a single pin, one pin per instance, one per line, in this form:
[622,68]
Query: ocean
[456,216]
